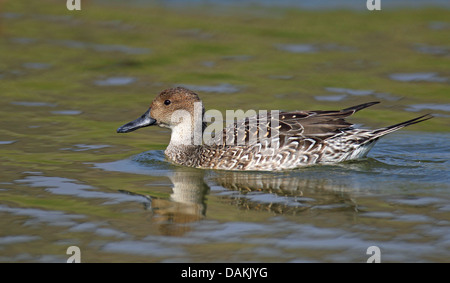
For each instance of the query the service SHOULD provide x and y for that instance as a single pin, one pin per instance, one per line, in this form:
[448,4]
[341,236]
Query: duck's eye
[167,102]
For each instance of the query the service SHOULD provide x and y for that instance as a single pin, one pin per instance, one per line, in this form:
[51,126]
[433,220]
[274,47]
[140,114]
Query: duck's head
[167,110]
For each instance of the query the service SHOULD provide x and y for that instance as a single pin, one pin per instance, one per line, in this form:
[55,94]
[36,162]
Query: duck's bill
[144,121]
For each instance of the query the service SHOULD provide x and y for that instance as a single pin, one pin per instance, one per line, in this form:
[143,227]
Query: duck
[279,140]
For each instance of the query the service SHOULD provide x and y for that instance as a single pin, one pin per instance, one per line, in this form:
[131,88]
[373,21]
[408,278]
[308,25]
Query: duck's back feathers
[318,124]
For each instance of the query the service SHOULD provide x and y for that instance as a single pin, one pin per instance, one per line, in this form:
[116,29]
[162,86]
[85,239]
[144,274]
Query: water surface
[66,177]
[397,199]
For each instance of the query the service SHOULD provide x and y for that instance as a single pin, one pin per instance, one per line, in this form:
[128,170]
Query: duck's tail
[387,130]
[367,139]
[356,108]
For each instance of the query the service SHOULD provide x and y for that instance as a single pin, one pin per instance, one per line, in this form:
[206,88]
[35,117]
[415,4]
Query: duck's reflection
[284,193]
[187,202]
[276,193]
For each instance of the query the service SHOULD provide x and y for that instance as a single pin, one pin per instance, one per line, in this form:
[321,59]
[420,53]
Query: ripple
[36,66]
[387,96]
[378,214]
[23,40]
[33,104]
[417,77]
[267,198]
[67,112]
[419,201]
[237,57]
[10,15]
[414,218]
[151,162]
[53,218]
[428,106]
[305,48]
[350,91]
[439,25]
[70,187]
[142,248]
[354,92]
[221,88]
[330,97]
[17,239]
[433,50]
[84,147]
[297,48]
[281,77]
[97,229]
[85,45]
[208,64]
[101,47]
[195,33]
[7,142]
[229,231]
[115,81]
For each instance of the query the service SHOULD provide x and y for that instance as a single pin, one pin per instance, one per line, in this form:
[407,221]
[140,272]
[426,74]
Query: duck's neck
[187,134]
[185,141]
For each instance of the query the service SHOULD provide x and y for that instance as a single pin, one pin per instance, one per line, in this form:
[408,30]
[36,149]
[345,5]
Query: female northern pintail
[299,138]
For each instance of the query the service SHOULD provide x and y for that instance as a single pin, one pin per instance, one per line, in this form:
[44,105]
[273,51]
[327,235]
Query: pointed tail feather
[359,107]
[384,131]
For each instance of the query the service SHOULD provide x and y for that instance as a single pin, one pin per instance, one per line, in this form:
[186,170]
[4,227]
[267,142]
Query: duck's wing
[320,124]
[288,126]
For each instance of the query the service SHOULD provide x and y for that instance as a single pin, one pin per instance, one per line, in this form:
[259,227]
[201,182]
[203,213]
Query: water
[222,88]
[304,4]
[397,199]
[427,77]
[67,179]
